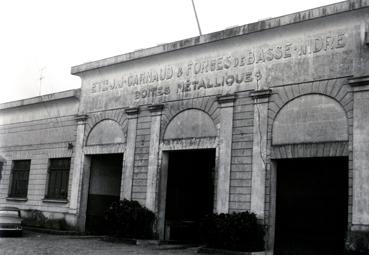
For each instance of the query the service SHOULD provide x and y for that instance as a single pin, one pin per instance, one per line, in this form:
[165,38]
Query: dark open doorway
[104,188]
[311,206]
[190,193]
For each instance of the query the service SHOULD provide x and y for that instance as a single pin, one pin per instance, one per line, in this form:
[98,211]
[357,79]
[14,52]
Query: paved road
[45,244]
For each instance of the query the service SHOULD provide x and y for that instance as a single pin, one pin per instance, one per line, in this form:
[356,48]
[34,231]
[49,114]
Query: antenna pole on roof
[41,78]
[197,19]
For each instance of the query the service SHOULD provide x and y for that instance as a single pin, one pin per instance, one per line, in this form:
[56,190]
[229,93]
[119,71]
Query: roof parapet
[288,19]
[42,99]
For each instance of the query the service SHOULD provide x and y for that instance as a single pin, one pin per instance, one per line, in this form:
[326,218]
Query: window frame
[1,169]
[15,179]
[56,175]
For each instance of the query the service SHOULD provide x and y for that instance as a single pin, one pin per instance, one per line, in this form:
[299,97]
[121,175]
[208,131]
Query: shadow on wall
[35,218]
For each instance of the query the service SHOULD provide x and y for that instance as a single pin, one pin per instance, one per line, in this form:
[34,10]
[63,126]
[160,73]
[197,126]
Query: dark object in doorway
[357,243]
[129,219]
[236,231]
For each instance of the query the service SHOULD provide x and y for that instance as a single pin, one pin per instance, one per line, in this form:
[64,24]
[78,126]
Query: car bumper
[11,231]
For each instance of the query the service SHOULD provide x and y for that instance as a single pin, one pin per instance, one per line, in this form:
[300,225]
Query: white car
[10,221]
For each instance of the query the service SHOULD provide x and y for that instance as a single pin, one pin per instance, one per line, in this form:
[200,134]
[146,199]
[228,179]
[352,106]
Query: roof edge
[42,99]
[288,19]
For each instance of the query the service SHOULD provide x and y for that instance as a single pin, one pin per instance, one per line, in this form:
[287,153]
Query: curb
[51,231]
[144,242]
[204,250]
[119,240]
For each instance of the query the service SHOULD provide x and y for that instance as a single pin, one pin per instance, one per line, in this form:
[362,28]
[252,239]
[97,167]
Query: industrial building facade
[270,117]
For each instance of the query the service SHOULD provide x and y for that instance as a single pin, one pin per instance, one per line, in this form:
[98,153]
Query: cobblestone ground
[42,244]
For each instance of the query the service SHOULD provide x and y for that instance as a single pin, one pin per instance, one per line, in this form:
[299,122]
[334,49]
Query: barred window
[19,178]
[58,178]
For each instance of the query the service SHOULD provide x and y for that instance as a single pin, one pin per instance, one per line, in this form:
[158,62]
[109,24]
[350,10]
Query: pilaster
[226,104]
[261,99]
[360,198]
[129,155]
[78,163]
[152,173]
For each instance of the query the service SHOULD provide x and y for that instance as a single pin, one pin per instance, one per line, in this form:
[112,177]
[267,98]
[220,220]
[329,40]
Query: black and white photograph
[184,127]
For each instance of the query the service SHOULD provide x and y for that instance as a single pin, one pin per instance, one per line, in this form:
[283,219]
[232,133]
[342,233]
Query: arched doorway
[187,175]
[104,173]
[310,176]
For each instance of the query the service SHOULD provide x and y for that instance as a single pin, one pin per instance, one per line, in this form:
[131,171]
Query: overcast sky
[45,37]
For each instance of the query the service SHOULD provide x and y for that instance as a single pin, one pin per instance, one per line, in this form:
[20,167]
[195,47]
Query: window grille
[58,178]
[20,177]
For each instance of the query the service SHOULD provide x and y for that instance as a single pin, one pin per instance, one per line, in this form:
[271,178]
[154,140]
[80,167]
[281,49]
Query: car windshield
[9,213]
